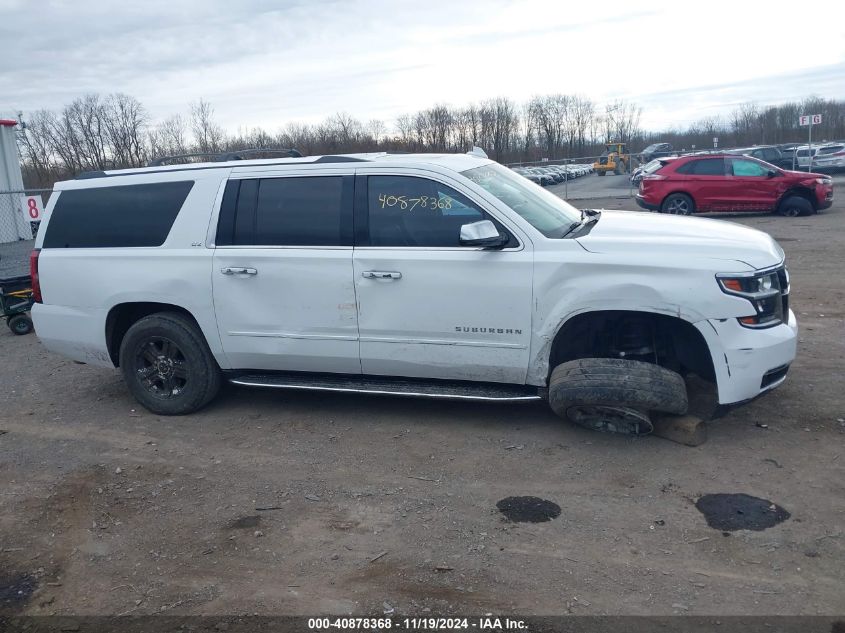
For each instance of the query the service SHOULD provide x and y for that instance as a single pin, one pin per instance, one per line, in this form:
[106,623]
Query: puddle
[16,590]
[528,509]
[245,522]
[729,512]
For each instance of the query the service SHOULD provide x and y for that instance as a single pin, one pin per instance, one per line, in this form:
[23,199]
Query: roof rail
[90,174]
[225,156]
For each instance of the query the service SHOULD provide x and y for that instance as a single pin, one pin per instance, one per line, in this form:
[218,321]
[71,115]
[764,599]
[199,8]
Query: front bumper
[646,205]
[749,362]
[824,198]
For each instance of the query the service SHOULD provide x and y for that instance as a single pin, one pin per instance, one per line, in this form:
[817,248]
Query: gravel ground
[297,503]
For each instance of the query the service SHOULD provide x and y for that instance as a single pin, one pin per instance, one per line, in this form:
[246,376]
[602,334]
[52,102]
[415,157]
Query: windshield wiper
[588,217]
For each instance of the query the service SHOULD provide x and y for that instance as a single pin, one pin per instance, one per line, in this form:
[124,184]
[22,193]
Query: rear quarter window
[830,149]
[122,216]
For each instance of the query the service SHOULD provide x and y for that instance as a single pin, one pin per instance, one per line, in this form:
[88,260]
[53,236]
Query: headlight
[765,292]
[824,181]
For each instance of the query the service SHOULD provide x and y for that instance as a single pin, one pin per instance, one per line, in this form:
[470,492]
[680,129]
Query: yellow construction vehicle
[615,158]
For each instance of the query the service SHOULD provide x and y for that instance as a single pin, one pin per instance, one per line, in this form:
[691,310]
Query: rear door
[282,275]
[429,307]
[753,189]
[705,180]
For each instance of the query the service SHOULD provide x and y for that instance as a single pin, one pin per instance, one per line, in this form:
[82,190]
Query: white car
[431,275]
[803,156]
[830,156]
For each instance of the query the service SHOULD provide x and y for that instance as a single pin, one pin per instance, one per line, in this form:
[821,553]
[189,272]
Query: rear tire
[20,324]
[678,204]
[793,206]
[613,394]
[167,364]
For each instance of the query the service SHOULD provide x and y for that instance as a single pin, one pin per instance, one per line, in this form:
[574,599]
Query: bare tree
[622,121]
[376,129]
[743,122]
[208,135]
[94,132]
[124,119]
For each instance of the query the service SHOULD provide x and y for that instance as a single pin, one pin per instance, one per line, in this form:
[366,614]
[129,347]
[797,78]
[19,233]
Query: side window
[286,211]
[411,211]
[742,167]
[703,167]
[122,216]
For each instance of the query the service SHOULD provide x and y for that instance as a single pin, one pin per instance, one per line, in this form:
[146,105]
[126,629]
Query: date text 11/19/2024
[483,623]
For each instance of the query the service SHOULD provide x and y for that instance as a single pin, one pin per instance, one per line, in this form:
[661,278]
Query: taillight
[33,273]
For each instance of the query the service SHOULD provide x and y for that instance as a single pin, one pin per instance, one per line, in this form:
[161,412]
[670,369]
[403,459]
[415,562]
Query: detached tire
[793,206]
[615,394]
[20,324]
[167,364]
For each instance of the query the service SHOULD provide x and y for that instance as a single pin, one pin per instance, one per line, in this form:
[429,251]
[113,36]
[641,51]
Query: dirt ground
[296,503]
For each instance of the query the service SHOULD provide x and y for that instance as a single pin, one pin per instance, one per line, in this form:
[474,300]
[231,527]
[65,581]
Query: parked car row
[552,174]
[829,157]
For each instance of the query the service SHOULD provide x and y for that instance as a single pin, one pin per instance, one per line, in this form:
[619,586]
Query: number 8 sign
[32,208]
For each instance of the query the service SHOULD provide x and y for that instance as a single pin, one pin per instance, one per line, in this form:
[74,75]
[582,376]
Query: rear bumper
[646,205]
[78,333]
[749,362]
[838,163]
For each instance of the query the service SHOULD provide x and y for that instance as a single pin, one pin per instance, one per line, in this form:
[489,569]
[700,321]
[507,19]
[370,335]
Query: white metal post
[566,182]
[810,146]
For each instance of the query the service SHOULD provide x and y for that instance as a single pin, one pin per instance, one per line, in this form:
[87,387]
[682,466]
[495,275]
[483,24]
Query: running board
[458,390]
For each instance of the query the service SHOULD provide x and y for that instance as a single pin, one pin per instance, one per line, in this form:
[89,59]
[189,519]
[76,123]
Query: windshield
[653,166]
[543,210]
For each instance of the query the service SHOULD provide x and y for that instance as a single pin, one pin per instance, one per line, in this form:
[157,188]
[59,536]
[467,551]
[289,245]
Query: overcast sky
[264,63]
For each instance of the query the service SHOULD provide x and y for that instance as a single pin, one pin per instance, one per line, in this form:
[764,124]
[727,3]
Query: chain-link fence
[18,228]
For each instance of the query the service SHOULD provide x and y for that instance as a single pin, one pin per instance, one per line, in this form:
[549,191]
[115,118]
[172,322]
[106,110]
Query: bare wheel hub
[611,419]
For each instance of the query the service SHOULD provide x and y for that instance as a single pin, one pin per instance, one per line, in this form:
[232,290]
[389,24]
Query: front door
[282,276]
[753,188]
[427,306]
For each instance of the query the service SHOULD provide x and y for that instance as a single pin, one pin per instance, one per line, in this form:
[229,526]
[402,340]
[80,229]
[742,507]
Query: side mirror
[771,173]
[482,233]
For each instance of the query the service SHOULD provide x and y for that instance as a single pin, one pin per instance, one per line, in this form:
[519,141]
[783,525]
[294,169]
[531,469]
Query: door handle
[380,274]
[239,271]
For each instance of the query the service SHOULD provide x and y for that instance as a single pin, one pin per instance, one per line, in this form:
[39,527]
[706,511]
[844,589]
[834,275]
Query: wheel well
[803,192]
[655,338]
[122,316]
[686,193]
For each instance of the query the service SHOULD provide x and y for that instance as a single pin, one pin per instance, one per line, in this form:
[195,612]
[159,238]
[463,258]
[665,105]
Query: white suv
[435,275]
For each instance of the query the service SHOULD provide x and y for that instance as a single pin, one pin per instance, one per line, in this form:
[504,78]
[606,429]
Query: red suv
[723,182]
